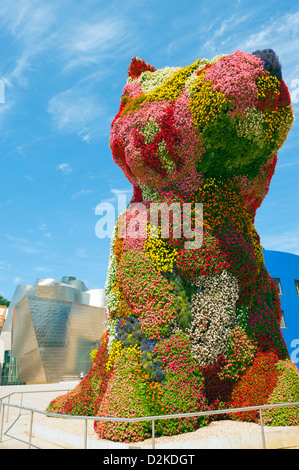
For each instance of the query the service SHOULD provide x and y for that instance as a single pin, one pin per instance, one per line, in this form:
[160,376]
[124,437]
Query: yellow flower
[161,253]
[116,351]
[206,104]
[266,84]
[171,89]
[274,120]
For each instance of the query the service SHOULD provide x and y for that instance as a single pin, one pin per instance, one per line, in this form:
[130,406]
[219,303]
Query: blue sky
[63,65]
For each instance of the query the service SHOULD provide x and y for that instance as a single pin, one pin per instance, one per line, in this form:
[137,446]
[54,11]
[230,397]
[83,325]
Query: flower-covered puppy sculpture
[193,328]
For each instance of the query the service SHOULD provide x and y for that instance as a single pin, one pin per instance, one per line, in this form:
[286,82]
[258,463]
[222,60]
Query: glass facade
[10,374]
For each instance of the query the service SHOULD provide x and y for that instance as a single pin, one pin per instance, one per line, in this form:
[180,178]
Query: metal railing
[131,420]
[29,391]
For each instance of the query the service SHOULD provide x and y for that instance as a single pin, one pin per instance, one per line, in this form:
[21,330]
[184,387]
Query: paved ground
[15,424]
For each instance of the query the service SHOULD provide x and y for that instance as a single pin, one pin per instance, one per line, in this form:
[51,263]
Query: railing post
[8,409]
[30,430]
[85,433]
[153,433]
[21,403]
[2,420]
[262,429]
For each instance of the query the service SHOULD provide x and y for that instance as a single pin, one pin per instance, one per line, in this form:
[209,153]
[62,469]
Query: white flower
[167,163]
[111,328]
[110,294]
[149,131]
[151,80]
[250,125]
[148,194]
[213,316]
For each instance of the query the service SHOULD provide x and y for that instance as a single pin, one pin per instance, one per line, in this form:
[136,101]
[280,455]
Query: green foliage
[286,391]
[182,292]
[4,302]
[239,356]
[183,388]
[123,400]
[242,313]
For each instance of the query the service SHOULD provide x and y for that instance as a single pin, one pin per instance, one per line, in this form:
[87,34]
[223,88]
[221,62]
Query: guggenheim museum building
[50,330]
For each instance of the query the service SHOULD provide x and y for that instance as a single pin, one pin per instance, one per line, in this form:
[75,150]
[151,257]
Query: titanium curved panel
[20,293]
[25,346]
[57,338]
[59,292]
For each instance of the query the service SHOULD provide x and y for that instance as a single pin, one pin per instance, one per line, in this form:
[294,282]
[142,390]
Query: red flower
[137,66]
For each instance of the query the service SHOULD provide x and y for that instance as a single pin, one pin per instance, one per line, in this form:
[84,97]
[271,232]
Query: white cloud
[24,245]
[88,42]
[43,227]
[85,38]
[283,28]
[29,23]
[28,20]
[228,25]
[286,165]
[39,30]
[78,111]
[4,266]
[65,168]
[86,138]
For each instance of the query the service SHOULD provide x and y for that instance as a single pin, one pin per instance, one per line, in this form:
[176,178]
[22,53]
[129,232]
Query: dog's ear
[137,66]
[271,62]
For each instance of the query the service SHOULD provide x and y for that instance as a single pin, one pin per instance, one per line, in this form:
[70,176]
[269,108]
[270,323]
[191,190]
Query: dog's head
[220,118]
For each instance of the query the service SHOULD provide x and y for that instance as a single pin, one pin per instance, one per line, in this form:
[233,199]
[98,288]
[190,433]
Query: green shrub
[286,391]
